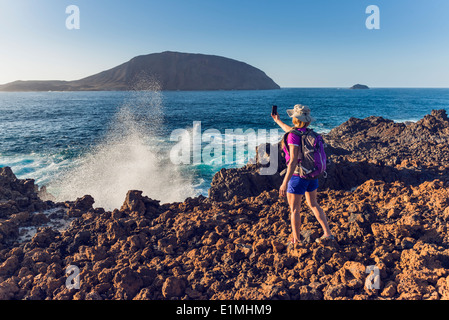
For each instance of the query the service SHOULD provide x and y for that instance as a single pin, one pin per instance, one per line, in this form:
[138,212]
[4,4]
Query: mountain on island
[359,86]
[172,71]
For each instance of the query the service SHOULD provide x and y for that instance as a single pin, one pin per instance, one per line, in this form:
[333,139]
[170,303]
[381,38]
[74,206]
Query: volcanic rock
[358,150]
[20,206]
[239,248]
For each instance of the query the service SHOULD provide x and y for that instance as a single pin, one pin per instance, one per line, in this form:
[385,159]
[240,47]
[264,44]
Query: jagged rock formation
[203,249]
[360,150]
[238,248]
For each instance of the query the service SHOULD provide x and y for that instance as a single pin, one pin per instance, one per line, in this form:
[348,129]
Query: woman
[295,187]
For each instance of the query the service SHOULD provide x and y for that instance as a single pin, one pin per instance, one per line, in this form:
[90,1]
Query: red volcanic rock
[137,205]
[127,283]
[238,248]
[20,206]
[134,203]
[17,195]
[173,287]
[9,266]
[358,150]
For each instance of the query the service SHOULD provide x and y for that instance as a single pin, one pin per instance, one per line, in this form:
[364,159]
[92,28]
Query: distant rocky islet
[359,87]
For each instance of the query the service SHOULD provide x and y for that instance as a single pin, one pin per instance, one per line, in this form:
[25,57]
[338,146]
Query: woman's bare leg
[294,201]
[318,212]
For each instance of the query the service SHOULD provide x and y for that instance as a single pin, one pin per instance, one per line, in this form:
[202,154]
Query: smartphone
[274,110]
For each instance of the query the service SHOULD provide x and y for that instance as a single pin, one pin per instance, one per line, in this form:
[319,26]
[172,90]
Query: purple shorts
[297,185]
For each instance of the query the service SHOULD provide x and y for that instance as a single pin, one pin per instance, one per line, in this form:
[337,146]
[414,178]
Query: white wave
[129,158]
[406,120]
[40,167]
[61,222]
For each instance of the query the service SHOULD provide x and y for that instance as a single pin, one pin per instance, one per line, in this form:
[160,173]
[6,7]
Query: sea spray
[130,157]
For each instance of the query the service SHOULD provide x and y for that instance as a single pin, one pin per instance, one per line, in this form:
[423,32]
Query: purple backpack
[312,158]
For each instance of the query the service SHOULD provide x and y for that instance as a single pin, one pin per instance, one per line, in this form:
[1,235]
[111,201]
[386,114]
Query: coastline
[387,202]
[45,156]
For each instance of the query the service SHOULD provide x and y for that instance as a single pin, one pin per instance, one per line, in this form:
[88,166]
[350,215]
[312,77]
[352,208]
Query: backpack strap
[299,134]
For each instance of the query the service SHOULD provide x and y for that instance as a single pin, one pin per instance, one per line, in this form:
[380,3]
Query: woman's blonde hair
[299,123]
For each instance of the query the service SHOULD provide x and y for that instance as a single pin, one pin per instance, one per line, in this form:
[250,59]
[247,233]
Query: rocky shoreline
[359,150]
[386,197]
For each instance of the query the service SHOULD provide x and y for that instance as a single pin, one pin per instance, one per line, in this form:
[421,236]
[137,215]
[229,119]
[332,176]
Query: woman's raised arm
[279,122]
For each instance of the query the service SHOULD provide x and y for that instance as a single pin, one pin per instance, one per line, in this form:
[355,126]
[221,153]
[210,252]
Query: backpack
[312,158]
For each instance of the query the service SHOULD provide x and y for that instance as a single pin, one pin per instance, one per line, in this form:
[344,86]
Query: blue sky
[297,43]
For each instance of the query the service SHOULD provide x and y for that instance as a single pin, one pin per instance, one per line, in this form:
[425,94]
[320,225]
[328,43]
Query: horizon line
[282,88]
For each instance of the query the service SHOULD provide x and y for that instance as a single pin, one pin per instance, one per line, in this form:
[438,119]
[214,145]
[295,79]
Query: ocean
[106,143]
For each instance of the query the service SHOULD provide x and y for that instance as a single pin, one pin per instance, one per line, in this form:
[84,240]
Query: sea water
[106,143]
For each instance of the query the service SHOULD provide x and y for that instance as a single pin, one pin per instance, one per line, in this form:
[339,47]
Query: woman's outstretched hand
[279,122]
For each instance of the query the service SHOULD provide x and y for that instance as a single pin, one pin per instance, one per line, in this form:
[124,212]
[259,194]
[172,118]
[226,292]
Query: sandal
[324,239]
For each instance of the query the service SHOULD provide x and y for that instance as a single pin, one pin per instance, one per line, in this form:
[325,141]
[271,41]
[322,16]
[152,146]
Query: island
[172,71]
[359,86]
